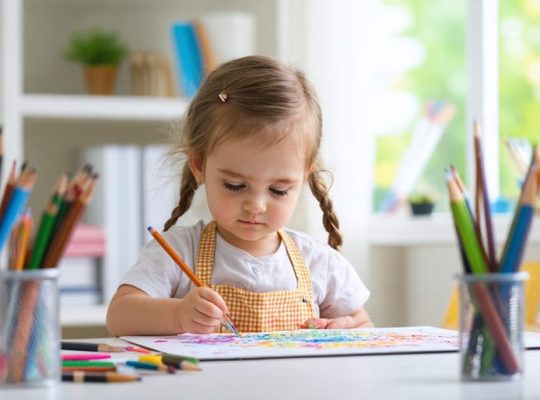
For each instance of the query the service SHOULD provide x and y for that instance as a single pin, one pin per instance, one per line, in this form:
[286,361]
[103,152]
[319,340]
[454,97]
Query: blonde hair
[256,92]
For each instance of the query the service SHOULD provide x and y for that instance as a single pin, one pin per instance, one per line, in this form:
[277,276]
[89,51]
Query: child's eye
[279,192]
[232,187]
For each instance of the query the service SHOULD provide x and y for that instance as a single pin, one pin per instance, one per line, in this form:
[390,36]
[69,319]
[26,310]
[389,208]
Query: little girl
[252,137]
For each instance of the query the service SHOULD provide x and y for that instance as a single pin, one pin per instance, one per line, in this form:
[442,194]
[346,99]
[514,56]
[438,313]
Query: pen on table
[83,346]
[194,278]
[79,376]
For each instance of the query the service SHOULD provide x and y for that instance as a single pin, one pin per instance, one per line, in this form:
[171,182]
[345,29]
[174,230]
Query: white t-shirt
[337,289]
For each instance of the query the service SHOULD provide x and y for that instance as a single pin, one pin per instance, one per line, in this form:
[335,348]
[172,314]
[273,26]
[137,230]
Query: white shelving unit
[436,229]
[42,94]
[101,107]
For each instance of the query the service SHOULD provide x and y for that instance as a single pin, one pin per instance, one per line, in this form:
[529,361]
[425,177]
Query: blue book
[188,57]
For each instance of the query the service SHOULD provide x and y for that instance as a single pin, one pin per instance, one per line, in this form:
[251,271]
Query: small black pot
[422,208]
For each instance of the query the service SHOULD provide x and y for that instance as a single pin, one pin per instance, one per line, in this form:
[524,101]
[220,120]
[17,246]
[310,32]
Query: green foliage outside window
[440,28]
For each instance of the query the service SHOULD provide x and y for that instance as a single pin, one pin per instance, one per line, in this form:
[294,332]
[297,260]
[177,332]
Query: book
[117,208]
[188,57]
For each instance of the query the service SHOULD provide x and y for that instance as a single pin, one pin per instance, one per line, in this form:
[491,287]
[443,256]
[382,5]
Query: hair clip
[223,97]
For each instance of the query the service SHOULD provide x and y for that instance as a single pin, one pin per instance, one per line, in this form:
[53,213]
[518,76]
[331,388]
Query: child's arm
[358,319]
[133,312]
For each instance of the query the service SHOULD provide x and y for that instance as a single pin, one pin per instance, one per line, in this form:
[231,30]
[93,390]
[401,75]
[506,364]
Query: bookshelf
[45,111]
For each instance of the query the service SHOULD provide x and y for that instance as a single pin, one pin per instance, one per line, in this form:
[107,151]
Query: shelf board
[436,229]
[102,107]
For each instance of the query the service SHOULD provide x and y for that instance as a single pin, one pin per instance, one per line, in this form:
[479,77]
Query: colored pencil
[22,239]
[466,229]
[87,363]
[46,225]
[194,278]
[482,191]
[180,362]
[137,349]
[519,230]
[1,152]
[151,366]
[73,215]
[10,185]
[84,346]
[85,356]
[16,203]
[110,377]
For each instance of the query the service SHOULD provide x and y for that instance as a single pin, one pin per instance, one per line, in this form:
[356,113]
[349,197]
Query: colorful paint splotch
[304,343]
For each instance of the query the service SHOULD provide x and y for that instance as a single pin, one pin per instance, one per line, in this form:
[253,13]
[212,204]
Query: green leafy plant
[96,48]
[422,198]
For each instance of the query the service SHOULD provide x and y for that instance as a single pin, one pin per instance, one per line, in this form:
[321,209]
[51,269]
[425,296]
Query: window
[430,47]
[519,82]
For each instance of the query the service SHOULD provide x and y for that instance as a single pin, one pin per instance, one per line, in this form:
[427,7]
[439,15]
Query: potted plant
[422,203]
[100,54]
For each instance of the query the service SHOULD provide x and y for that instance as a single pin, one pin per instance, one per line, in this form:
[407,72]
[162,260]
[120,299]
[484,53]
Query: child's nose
[255,205]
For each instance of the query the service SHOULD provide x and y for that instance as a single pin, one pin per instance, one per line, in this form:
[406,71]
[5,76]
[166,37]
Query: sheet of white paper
[304,343]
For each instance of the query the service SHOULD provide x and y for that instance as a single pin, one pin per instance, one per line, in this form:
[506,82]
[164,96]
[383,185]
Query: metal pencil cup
[491,326]
[29,328]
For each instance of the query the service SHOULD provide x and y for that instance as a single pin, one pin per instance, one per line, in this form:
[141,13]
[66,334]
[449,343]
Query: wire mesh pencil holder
[491,326]
[29,328]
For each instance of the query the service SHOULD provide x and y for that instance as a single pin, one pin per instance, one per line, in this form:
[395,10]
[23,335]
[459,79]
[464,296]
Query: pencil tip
[149,229]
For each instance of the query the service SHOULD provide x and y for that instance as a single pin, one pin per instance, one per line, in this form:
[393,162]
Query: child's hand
[359,319]
[328,323]
[202,311]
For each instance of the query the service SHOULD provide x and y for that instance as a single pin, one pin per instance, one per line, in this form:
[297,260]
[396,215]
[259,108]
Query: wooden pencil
[85,346]
[183,266]
[517,235]
[10,185]
[25,228]
[61,237]
[1,152]
[46,225]
[16,203]
[110,377]
[482,188]
[466,229]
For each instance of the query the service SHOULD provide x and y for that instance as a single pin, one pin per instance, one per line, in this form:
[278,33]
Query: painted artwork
[303,343]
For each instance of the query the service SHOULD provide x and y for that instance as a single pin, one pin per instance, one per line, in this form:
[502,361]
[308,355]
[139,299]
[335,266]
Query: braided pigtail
[188,186]
[330,220]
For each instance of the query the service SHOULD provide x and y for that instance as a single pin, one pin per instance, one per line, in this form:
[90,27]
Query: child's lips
[247,222]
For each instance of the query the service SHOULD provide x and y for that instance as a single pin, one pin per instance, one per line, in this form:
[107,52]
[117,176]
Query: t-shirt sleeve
[345,292]
[155,273]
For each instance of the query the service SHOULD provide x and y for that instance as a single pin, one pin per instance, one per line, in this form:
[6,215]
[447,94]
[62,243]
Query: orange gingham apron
[260,311]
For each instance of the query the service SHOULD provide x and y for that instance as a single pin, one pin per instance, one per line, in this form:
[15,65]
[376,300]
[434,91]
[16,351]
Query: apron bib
[260,311]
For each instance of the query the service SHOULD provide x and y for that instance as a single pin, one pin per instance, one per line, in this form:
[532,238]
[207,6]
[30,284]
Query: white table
[406,376]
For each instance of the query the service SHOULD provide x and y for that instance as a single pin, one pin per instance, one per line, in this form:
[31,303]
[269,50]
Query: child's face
[252,190]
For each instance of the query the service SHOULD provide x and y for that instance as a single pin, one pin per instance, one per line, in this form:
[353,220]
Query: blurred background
[400,82]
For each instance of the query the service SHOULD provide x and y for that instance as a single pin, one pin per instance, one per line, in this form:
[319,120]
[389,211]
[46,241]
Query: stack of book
[80,280]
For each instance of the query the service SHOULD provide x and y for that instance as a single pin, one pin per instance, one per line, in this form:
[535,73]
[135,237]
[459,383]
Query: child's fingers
[214,298]
[197,327]
[339,323]
[316,323]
